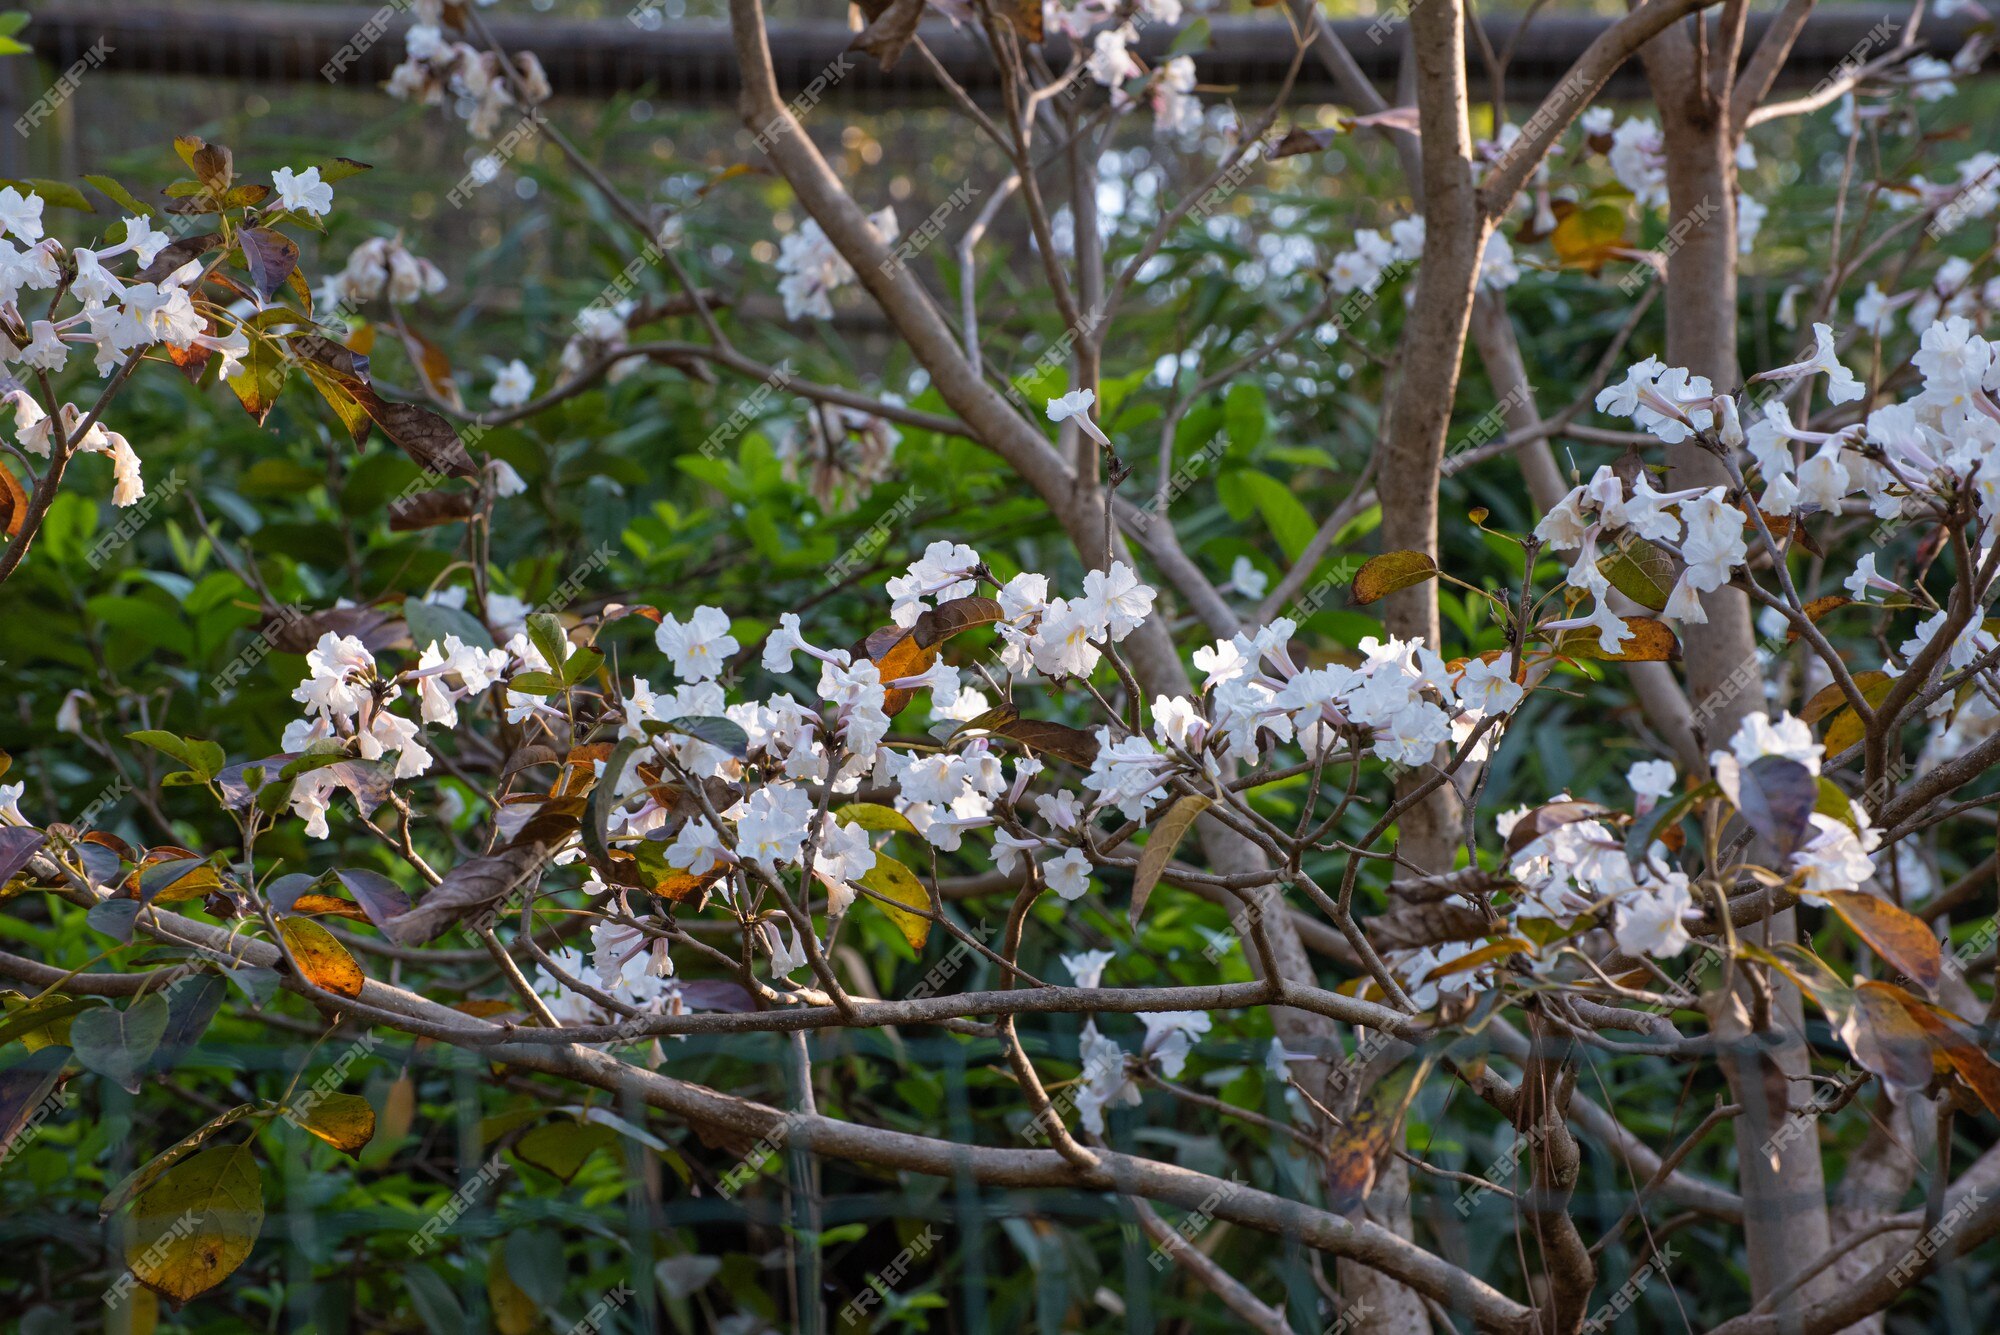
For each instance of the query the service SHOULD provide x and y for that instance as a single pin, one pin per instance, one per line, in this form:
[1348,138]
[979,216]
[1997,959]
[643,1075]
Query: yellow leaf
[1874,688]
[1845,730]
[322,959]
[896,883]
[344,1121]
[194,1226]
[514,1312]
[1585,237]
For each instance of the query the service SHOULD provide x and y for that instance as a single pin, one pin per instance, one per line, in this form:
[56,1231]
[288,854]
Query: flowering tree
[665,818]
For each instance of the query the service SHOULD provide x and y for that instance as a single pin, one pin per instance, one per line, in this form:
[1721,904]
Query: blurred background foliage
[147,636]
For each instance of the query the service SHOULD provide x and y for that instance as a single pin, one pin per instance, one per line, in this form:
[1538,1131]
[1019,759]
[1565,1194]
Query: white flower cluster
[118,318]
[812,268]
[1112,65]
[603,329]
[1106,1081]
[436,68]
[1366,264]
[1941,440]
[382,267]
[1578,866]
[347,703]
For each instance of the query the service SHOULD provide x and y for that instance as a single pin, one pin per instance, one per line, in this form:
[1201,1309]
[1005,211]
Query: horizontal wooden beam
[686,61]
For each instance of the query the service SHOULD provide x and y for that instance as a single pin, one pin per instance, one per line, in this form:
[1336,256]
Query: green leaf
[1287,517]
[120,196]
[579,666]
[118,1044]
[1390,572]
[545,632]
[873,816]
[59,193]
[43,1013]
[1650,827]
[1640,571]
[560,1147]
[430,623]
[711,728]
[535,683]
[597,815]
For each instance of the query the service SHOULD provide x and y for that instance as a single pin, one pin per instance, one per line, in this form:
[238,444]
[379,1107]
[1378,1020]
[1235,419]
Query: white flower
[1497,269]
[1651,924]
[784,642]
[1757,736]
[1489,688]
[700,647]
[1837,856]
[514,386]
[1406,237]
[1077,404]
[1750,217]
[772,827]
[1651,778]
[21,214]
[1247,579]
[1062,644]
[10,803]
[1117,599]
[1110,64]
[844,856]
[506,481]
[303,192]
[1841,386]
[1087,967]
[1068,875]
[943,572]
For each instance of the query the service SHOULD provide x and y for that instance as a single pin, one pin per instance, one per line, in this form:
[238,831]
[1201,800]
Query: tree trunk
[1785,1221]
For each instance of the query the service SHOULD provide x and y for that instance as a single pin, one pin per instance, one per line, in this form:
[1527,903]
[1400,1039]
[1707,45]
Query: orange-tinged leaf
[896,654]
[399,1109]
[317,905]
[322,959]
[13,503]
[1550,816]
[1886,1038]
[1586,236]
[1359,1147]
[1896,936]
[1486,954]
[1650,642]
[1383,575]
[1874,688]
[1816,609]
[948,619]
[1959,1051]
